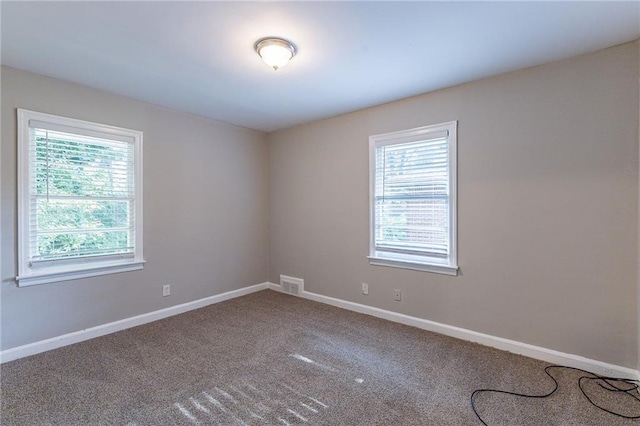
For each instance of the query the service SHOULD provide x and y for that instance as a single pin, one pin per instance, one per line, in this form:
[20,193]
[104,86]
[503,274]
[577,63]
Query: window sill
[413,265]
[79,271]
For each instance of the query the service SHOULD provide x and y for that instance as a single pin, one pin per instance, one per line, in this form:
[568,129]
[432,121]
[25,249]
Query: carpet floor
[272,359]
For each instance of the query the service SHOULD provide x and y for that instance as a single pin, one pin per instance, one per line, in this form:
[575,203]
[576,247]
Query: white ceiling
[198,57]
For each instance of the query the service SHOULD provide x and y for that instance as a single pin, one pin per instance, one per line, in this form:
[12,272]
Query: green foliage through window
[83,195]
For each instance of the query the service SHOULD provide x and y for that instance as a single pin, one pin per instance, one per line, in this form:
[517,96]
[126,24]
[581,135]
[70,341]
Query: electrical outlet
[166,290]
[365,288]
[397,295]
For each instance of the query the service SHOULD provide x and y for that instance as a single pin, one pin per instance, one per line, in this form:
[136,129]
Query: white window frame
[69,269]
[449,265]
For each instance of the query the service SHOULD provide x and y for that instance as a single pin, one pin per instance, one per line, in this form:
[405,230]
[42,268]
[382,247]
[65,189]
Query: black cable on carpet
[611,384]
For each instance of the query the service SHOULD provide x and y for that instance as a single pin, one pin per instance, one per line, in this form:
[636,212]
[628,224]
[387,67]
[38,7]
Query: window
[413,199]
[80,199]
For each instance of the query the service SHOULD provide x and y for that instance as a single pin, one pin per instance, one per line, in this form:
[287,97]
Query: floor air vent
[291,285]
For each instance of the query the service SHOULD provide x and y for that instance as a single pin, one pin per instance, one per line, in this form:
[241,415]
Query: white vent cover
[291,285]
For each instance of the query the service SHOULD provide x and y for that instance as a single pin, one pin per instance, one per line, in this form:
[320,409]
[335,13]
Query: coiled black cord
[612,384]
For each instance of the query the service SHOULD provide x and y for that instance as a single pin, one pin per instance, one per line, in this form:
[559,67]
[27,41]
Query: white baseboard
[513,346]
[520,348]
[101,330]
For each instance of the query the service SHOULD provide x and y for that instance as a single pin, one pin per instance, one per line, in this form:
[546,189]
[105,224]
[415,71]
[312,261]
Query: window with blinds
[80,198]
[413,200]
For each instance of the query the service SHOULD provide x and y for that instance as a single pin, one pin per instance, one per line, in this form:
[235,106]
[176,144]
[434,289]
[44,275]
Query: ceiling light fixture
[275,52]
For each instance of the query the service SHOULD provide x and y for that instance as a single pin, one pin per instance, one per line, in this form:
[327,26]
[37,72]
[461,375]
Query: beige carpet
[269,358]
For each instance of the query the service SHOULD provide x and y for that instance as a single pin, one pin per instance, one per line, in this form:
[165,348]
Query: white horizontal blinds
[80,132]
[412,197]
[82,194]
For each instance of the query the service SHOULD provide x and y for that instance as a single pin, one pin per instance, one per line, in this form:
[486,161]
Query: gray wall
[205,210]
[548,201]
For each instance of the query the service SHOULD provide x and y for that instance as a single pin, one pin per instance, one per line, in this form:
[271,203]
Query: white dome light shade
[275,52]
